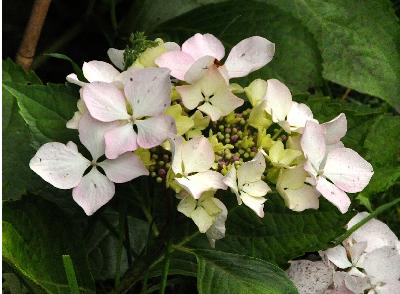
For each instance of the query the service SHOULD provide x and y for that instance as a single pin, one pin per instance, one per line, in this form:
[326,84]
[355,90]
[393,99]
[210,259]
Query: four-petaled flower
[334,169]
[246,183]
[212,93]
[191,163]
[64,167]
[201,51]
[142,103]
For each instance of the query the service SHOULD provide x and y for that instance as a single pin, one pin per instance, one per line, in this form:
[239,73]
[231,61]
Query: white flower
[277,101]
[142,103]
[210,94]
[64,167]
[246,183]
[345,169]
[95,71]
[191,163]
[208,213]
[292,186]
[310,277]
[200,51]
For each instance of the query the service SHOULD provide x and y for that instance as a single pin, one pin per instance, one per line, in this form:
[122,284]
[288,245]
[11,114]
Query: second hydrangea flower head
[174,115]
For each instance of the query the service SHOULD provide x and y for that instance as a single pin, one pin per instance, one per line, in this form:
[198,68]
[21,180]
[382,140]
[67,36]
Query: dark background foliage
[318,60]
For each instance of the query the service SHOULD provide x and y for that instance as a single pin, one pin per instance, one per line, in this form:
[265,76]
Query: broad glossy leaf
[46,109]
[35,236]
[282,234]
[296,61]
[220,272]
[358,41]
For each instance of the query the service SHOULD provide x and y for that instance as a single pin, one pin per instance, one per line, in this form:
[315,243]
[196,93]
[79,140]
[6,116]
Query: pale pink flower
[64,167]
[200,51]
[334,169]
[210,94]
[141,103]
[192,162]
[95,71]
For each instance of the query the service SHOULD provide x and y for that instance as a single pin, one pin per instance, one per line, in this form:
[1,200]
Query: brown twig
[27,49]
[346,93]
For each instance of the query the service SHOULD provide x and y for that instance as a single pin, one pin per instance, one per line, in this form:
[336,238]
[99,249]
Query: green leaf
[71,276]
[103,241]
[17,151]
[282,234]
[297,60]
[221,272]
[15,73]
[46,109]
[383,151]
[358,40]
[35,236]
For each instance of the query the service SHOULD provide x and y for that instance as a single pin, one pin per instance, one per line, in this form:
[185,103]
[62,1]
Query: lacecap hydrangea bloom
[170,112]
[368,261]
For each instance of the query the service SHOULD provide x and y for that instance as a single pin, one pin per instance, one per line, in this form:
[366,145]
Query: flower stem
[376,212]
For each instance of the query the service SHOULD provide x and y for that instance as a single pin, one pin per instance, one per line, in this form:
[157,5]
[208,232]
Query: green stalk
[376,212]
[70,272]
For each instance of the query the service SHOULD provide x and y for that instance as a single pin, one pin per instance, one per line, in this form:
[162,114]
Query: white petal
[187,205]
[254,203]
[73,79]
[375,233]
[389,288]
[356,251]
[191,95]
[356,284]
[249,55]
[293,178]
[197,155]
[153,131]
[148,90]
[383,264]
[310,277]
[338,256]
[201,45]
[60,165]
[105,102]
[348,170]
[298,115]
[306,197]
[217,229]
[256,91]
[117,57]
[99,71]
[125,168]
[278,100]
[225,101]
[231,181]
[93,191]
[176,150]
[171,46]
[176,61]
[333,194]
[313,144]
[91,134]
[199,183]
[335,129]
[213,112]
[73,123]
[119,140]
[198,69]
[252,170]
[256,189]
[201,218]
